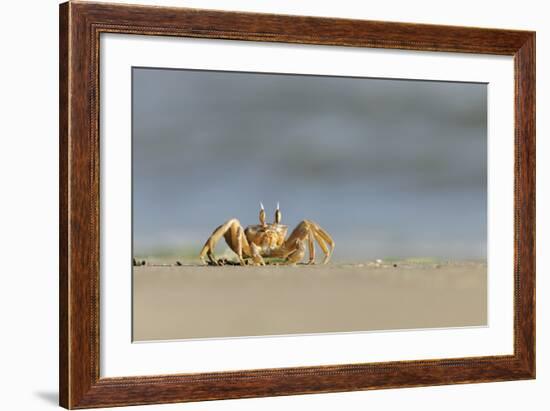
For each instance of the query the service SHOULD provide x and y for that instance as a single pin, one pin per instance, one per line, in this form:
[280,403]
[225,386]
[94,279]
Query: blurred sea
[391,168]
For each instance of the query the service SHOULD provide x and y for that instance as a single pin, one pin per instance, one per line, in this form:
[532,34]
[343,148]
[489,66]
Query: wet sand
[182,302]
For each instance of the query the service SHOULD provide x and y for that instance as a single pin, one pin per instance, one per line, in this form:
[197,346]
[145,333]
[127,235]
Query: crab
[268,240]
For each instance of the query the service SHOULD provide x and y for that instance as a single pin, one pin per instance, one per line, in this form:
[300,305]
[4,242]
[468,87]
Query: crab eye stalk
[278,215]
[262,214]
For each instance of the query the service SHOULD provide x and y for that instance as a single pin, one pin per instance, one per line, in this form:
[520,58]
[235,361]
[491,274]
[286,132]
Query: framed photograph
[258,205]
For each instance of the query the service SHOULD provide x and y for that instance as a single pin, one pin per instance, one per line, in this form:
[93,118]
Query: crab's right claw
[256,257]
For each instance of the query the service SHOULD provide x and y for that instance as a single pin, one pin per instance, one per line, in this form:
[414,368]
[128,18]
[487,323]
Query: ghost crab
[269,240]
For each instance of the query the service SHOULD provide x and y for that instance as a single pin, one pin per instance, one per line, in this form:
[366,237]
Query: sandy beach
[191,301]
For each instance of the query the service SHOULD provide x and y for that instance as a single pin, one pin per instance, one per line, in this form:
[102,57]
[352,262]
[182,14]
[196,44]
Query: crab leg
[311,245]
[234,237]
[323,246]
[324,240]
[309,230]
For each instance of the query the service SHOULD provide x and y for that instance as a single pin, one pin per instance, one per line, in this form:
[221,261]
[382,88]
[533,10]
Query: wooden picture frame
[80,27]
